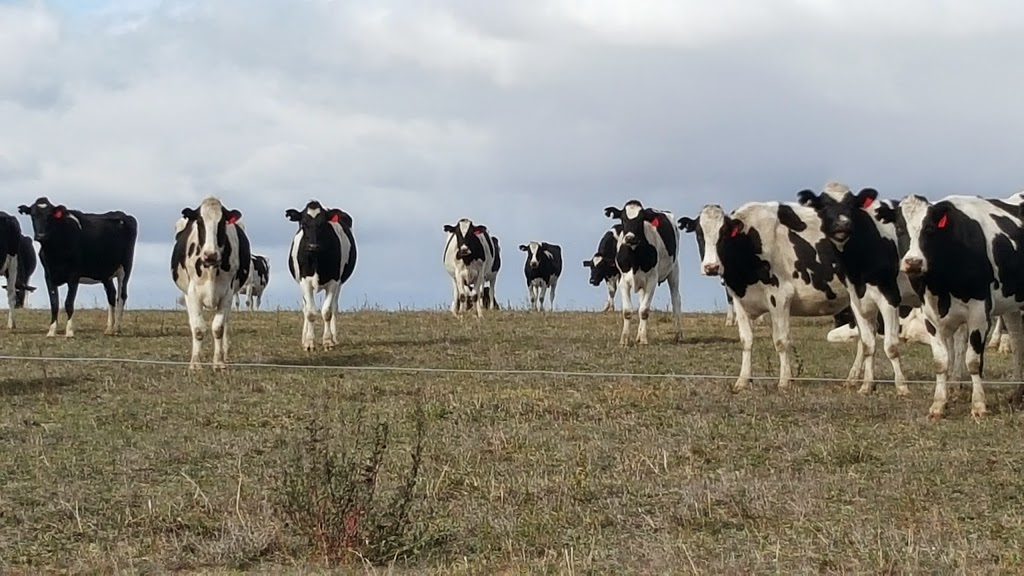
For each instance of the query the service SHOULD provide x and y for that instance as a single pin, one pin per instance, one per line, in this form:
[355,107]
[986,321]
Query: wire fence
[469,371]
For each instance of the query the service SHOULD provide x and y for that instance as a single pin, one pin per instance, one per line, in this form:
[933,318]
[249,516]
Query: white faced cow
[259,277]
[209,263]
[17,263]
[469,260]
[322,258]
[78,247]
[542,268]
[775,259]
[647,254]
[963,256]
[602,265]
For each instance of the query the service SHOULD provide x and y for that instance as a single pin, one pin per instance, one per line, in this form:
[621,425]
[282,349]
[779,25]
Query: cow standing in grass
[963,256]
[78,247]
[602,265]
[16,264]
[259,277]
[469,260]
[321,258]
[209,264]
[491,277]
[542,268]
[773,258]
[647,254]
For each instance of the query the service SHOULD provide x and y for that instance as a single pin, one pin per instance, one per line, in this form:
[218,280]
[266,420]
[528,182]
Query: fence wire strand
[471,371]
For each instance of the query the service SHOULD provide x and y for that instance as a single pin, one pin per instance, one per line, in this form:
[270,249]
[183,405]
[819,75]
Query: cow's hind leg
[69,308]
[219,327]
[51,290]
[308,315]
[111,291]
[328,311]
[122,297]
[12,291]
[891,320]
[1015,326]
[977,326]
[677,303]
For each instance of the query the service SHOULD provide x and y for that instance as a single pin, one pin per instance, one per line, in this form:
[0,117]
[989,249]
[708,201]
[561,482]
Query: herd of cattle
[947,272]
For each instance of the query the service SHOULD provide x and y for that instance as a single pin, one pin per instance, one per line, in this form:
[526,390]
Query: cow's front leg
[51,290]
[542,292]
[12,296]
[197,326]
[456,298]
[940,356]
[644,311]
[746,333]
[891,320]
[864,363]
[308,316]
[613,286]
[328,312]
[677,304]
[69,307]
[111,291]
[974,356]
[219,327]
[532,288]
[627,311]
[780,335]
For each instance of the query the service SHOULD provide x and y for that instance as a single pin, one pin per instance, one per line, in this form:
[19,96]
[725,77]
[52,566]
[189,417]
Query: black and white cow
[602,265]
[322,257]
[259,277]
[209,263]
[730,314]
[647,254]
[773,258]
[16,263]
[542,268]
[964,257]
[469,260]
[78,247]
[491,278]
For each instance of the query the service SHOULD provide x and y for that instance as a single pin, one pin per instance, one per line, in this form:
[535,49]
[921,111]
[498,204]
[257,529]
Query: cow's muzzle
[209,259]
[712,269]
[913,266]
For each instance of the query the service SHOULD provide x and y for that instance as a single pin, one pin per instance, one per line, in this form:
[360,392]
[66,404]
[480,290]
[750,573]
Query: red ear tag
[335,217]
[735,231]
[943,221]
[655,222]
[868,202]
[478,232]
[58,214]
[232,220]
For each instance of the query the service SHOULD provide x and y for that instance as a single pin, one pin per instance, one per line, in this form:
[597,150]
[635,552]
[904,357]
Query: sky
[529,116]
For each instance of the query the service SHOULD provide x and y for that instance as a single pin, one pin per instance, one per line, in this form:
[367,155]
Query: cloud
[529,116]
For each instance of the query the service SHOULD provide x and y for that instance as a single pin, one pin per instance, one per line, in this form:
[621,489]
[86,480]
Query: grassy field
[139,468]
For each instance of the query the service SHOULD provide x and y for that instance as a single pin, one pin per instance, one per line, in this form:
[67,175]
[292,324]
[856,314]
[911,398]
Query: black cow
[491,278]
[17,263]
[602,265]
[259,278]
[78,247]
[542,268]
[322,257]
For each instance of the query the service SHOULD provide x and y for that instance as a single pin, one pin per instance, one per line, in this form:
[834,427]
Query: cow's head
[714,230]
[601,268]
[633,216]
[211,219]
[838,207]
[315,223]
[46,218]
[535,252]
[468,238]
[918,223]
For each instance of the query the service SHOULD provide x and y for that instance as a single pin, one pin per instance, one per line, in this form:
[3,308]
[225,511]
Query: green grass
[136,468]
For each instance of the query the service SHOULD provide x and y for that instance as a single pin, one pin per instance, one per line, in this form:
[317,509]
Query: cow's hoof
[740,386]
[866,389]
[329,345]
[935,413]
[903,391]
[219,367]
[70,335]
[308,347]
[979,411]
[195,366]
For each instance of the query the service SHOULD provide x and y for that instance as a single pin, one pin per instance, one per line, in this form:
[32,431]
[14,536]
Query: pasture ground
[142,469]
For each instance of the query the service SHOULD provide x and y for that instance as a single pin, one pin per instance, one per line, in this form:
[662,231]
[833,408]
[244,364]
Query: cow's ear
[189,213]
[733,227]
[232,216]
[340,216]
[60,211]
[866,197]
[23,209]
[687,224]
[588,263]
[479,229]
[939,215]
[523,247]
[886,214]
[653,218]
[293,214]
[449,228]
[807,197]
[612,212]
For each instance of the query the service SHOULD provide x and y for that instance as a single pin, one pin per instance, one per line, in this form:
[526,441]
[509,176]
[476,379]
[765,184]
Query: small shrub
[333,498]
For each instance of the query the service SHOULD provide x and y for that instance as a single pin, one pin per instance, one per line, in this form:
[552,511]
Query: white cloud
[527,115]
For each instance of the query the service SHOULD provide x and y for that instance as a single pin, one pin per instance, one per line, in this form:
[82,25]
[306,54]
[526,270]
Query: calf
[646,254]
[209,264]
[775,259]
[16,263]
[84,248]
[469,260]
[602,265]
[963,256]
[259,277]
[542,268]
[322,258]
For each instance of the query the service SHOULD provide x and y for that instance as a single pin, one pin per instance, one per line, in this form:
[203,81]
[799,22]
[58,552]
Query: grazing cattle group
[947,272]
